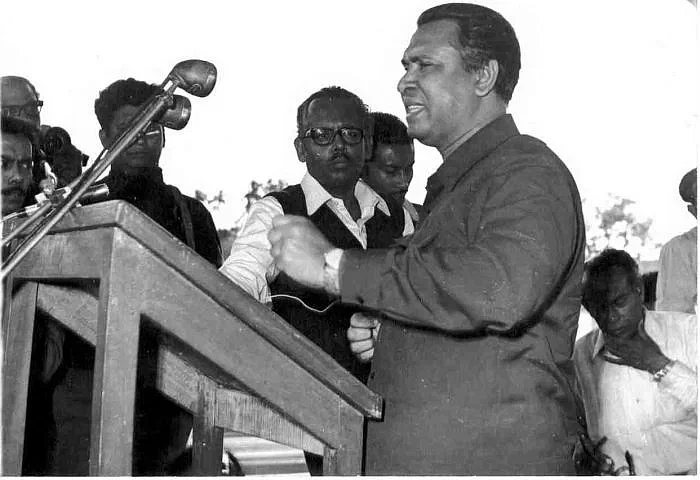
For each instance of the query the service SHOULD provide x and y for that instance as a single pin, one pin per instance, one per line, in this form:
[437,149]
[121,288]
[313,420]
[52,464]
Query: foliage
[215,201]
[256,192]
[614,225]
[259,190]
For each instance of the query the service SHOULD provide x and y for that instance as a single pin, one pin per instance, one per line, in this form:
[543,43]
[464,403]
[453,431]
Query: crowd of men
[461,312]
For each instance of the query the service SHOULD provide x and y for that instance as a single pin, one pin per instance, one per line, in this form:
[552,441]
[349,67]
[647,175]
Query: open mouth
[413,109]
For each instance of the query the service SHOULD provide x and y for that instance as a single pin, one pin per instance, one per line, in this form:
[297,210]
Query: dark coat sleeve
[486,267]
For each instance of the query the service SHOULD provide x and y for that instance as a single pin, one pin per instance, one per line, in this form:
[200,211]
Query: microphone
[177,116]
[196,77]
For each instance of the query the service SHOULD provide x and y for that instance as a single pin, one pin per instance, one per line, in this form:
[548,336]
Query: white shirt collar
[317,196]
[599,338]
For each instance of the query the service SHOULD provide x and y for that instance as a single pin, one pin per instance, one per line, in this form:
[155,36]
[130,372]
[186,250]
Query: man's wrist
[659,363]
[661,373]
[331,271]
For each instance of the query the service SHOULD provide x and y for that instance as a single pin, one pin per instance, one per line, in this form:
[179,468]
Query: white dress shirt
[250,264]
[655,421]
[676,285]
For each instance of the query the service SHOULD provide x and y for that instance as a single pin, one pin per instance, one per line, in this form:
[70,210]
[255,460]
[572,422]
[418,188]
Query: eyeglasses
[324,135]
[28,109]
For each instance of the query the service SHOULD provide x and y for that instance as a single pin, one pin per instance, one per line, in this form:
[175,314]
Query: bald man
[20,99]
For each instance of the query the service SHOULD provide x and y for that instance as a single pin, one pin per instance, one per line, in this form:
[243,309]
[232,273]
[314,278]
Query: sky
[610,85]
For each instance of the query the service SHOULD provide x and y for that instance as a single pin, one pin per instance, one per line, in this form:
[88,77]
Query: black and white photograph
[377,238]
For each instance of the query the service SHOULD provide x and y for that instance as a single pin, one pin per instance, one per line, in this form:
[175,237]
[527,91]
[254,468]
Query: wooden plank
[207,437]
[18,323]
[347,458]
[71,306]
[116,355]
[79,254]
[245,413]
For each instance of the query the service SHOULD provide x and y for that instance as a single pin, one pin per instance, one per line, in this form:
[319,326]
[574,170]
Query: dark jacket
[328,330]
[184,217]
[475,369]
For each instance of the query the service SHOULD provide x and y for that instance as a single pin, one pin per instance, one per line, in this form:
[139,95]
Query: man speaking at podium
[483,299]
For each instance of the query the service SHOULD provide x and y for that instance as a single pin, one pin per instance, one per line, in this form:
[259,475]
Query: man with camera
[21,100]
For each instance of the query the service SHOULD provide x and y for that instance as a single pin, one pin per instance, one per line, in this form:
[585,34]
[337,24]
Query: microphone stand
[137,126]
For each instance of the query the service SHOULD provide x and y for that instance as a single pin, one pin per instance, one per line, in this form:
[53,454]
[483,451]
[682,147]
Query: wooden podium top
[78,246]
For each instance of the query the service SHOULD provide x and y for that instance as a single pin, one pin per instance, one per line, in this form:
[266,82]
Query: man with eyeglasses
[20,99]
[334,141]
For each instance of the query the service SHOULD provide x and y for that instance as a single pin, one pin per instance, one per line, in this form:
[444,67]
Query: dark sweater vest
[328,330]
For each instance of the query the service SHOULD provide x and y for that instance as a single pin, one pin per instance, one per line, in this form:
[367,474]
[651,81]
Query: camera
[58,151]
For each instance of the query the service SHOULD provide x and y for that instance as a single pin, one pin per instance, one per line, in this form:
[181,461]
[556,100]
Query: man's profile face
[621,309]
[18,100]
[390,170]
[141,154]
[16,171]
[437,91]
[336,166]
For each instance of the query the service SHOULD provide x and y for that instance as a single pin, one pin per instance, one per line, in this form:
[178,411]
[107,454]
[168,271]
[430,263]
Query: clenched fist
[298,248]
[362,335]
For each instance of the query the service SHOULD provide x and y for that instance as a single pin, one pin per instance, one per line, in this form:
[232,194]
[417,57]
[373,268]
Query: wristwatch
[331,267]
[657,376]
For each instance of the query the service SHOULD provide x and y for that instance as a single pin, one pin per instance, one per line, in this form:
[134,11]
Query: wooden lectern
[224,357]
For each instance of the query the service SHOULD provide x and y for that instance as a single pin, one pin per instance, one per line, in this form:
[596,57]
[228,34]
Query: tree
[616,226]
[256,192]
[215,201]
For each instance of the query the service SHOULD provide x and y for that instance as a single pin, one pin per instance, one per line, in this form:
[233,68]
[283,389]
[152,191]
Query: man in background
[334,140]
[19,151]
[389,170]
[676,286]
[161,427]
[637,375]
[20,99]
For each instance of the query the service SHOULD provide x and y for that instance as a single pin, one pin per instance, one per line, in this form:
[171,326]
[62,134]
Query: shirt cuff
[331,271]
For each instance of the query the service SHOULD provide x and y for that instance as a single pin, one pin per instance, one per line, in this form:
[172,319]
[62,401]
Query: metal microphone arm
[139,125]
[197,77]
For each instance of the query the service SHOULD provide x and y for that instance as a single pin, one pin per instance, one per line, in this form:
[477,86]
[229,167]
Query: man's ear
[301,151]
[103,138]
[486,78]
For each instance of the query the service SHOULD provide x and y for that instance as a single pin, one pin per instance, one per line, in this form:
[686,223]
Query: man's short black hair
[120,93]
[483,35]
[688,185]
[389,129]
[599,271]
[333,92]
